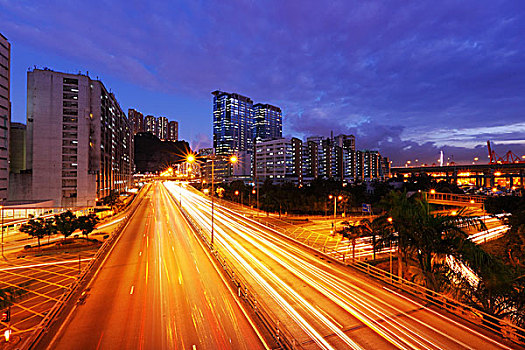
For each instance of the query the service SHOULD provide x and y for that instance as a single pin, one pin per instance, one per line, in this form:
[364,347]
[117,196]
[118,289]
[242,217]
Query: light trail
[372,309]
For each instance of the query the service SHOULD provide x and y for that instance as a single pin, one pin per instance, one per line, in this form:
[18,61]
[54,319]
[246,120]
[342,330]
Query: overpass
[457,200]
[479,175]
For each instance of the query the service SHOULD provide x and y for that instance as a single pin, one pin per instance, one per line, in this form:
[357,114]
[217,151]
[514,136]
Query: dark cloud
[387,71]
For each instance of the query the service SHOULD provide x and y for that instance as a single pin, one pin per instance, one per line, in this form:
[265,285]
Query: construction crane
[509,157]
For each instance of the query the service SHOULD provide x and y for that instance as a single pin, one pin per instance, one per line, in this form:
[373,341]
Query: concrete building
[5,114]
[279,160]
[268,122]
[137,120]
[17,148]
[173,131]
[79,141]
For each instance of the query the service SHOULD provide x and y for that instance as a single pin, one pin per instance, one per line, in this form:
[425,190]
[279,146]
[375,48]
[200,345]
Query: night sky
[409,78]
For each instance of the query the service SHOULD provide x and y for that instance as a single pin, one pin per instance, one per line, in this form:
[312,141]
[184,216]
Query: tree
[10,295]
[35,228]
[351,232]
[66,223]
[400,208]
[374,228]
[87,223]
[427,237]
[113,200]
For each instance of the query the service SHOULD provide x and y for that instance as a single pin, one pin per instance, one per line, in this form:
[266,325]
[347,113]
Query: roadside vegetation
[64,223]
[432,248]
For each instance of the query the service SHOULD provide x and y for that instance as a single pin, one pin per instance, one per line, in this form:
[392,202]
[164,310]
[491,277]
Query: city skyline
[409,80]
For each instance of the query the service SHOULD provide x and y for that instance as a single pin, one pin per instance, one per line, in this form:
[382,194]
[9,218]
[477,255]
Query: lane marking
[44,264]
[131,291]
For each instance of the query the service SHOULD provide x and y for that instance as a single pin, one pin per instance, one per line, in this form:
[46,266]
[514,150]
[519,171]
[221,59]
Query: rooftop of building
[219,93]
[267,106]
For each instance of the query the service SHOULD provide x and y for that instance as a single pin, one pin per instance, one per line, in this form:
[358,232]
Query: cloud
[405,77]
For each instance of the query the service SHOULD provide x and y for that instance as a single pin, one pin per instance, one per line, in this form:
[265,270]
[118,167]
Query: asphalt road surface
[158,289]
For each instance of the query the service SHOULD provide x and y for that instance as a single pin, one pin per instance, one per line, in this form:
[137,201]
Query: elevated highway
[480,175]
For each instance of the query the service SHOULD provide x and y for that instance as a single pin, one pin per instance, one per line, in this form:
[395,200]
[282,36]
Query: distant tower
[232,123]
[441,159]
[268,121]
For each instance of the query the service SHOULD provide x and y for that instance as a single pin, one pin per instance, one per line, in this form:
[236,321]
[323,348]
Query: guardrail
[278,330]
[44,325]
[502,327]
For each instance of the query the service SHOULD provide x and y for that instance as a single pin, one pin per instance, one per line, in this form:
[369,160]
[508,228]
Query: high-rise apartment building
[161,127]
[173,131]
[137,120]
[5,114]
[79,141]
[310,160]
[232,123]
[268,122]
[150,124]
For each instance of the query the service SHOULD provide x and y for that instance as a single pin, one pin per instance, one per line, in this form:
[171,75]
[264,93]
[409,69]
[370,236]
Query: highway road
[322,304]
[158,289]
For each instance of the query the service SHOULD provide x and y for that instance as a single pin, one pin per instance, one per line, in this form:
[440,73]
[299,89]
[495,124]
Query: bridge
[457,200]
[480,175]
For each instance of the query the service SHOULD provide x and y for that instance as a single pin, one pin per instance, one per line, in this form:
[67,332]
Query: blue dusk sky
[409,78]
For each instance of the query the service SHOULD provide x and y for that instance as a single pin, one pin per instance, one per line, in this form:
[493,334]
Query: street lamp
[190,159]
[232,159]
[335,209]
[390,250]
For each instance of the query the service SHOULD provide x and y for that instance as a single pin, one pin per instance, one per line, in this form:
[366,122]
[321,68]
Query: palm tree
[435,237]
[400,209]
[351,232]
[379,226]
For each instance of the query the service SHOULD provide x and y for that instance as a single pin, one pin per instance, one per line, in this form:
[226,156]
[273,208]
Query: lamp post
[335,209]
[190,159]
[390,250]
[233,159]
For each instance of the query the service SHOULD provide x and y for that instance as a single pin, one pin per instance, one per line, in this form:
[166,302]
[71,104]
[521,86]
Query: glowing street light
[335,209]
[190,158]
